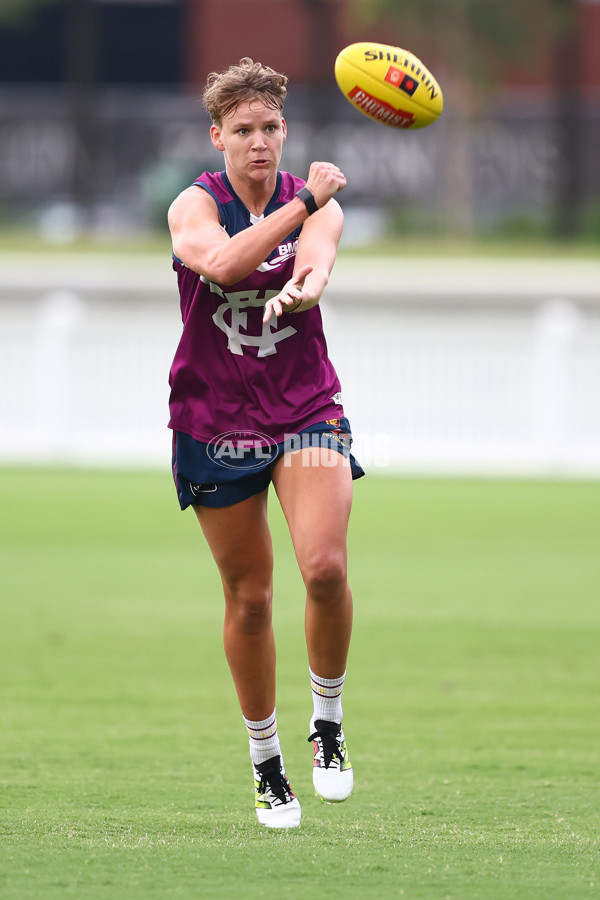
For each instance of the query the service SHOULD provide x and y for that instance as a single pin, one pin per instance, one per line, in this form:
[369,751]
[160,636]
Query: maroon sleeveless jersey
[231,371]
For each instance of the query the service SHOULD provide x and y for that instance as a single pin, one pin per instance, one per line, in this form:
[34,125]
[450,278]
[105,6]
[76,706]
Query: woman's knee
[325,573]
[250,606]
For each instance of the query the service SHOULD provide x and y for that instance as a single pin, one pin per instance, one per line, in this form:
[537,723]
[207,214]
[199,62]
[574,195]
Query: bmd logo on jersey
[242,450]
[401,80]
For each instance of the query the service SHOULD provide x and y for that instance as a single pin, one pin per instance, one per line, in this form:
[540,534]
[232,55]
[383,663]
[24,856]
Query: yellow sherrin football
[389,85]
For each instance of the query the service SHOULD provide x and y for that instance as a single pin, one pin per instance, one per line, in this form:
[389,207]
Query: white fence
[447,366]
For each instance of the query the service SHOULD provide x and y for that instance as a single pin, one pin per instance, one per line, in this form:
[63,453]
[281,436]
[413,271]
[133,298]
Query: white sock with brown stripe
[327,697]
[263,738]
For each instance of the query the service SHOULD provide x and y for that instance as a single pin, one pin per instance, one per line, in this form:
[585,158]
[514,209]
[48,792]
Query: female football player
[254,400]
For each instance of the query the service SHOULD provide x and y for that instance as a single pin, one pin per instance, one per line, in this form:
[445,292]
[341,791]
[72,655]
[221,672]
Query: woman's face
[251,138]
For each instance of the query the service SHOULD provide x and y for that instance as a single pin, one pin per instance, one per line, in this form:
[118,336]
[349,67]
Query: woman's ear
[215,136]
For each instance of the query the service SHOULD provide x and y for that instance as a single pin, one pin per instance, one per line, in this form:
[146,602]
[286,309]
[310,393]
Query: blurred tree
[489,32]
[474,41]
[18,10]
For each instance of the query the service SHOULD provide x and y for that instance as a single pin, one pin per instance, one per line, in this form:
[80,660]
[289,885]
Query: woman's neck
[254,195]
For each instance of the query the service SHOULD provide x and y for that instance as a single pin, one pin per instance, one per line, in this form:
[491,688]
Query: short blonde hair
[248,80]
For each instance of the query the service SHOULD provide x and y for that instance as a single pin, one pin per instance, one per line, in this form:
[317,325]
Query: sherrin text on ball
[389,85]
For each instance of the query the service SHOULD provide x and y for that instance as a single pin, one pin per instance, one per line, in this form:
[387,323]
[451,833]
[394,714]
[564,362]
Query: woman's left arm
[317,250]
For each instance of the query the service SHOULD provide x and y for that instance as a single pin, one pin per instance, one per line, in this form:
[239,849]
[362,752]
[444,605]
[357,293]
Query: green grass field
[472,706]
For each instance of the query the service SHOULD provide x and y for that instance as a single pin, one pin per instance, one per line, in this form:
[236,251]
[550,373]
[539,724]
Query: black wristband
[308,199]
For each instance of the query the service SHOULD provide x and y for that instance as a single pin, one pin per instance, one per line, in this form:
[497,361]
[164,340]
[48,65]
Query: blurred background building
[467,364]
[100,119]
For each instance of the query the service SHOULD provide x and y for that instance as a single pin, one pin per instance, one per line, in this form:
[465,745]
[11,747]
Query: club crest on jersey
[232,316]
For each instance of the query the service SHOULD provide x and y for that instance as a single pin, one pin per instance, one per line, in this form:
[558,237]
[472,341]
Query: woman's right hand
[324,180]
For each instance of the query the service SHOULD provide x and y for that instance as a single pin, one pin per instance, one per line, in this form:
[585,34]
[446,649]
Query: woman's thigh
[314,486]
[239,539]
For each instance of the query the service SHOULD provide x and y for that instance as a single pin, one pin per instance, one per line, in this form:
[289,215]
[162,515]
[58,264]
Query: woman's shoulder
[215,184]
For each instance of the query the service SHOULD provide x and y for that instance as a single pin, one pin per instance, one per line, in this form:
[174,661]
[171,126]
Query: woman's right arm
[204,246]
[200,241]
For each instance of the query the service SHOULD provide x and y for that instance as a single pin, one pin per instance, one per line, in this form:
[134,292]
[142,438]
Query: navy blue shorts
[238,464]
